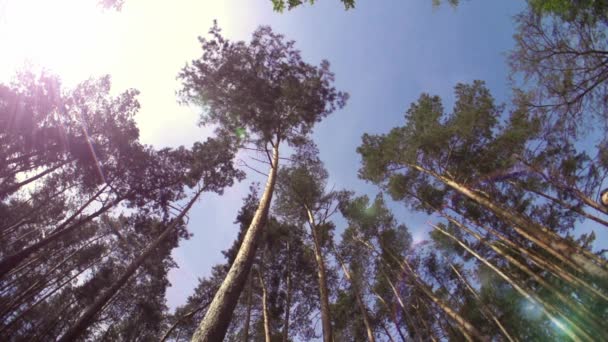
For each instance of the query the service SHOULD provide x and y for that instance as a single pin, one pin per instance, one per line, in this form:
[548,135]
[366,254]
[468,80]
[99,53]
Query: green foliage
[263,87]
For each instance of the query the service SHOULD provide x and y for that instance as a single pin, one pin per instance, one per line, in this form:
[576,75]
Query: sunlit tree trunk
[321,274]
[536,233]
[484,308]
[215,324]
[549,309]
[582,314]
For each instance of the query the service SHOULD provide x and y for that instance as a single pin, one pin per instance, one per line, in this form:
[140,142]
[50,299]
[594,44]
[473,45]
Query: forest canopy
[512,194]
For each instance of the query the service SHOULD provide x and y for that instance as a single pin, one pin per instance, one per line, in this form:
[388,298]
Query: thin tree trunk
[288,296]
[249,304]
[582,314]
[40,283]
[321,273]
[547,308]
[15,187]
[536,233]
[265,313]
[564,204]
[360,303]
[386,332]
[392,315]
[467,328]
[180,319]
[485,310]
[554,268]
[87,317]
[12,261]
[50,293]
[213,327]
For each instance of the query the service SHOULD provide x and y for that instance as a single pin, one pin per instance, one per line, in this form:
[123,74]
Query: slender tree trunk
[32,290]
[15,187]
[360,303]
[288,297]
[392,315]
[213,327]
[467,328]
[582,314]
[265,313]
[485,310]
[386,332]
[542,236]
[563,204]
[321,273]
[9,263]
[549,309]
[180,319]
[249,304]
[50,293]
[87,317]
[540,261]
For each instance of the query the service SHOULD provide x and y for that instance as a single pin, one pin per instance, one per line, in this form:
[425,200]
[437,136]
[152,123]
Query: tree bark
[87,317]
[360,303]
[9,263]
[288,297]
[248,314]
[485,310]
[549,309]
[536,233]
[322,278]
[582,314]
[265,313]
[215,324]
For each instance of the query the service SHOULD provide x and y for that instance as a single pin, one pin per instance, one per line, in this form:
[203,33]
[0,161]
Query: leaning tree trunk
[322,277]
[87,317]
[359,298]
[549,309]
[540,235]
[484,308]
[215,324]
[11,262]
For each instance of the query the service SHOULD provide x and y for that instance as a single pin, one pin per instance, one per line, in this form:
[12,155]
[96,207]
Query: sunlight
[55,35]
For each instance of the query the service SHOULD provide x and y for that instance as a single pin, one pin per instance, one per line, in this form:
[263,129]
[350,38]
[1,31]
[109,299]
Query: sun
[54,35]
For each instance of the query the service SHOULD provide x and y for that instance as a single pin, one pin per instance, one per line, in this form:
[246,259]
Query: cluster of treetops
[89,215]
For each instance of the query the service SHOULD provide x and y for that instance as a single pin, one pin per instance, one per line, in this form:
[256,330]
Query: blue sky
[385,53]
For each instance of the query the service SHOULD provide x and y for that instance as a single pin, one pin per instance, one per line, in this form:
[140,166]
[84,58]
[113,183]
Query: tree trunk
[467,328]
[536,233]
[360,303]
[323,289]
[265,313]
[539,260]
[248,315]
[87,317]
[485,310]
[213,327]
[549,309]
[288,297]
[582,314]
[9,263]
[392,315]
[189,314]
